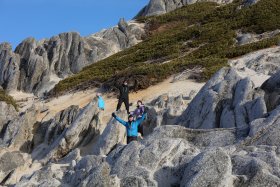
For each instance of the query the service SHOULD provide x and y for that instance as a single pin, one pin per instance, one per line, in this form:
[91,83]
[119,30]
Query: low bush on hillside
[201,34]
[8,99]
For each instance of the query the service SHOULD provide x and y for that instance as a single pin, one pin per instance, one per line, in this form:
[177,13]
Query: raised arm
[140,120]
[119,119]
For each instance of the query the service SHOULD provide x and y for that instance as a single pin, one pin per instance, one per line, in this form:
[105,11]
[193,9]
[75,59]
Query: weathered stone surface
[265,131]
[255,166]
[157,7]
[7,113]
[211,168]
[70,129]
[9,67]
[226,101]
[113,134]
[9,161]
[170,156]
[163,110]
[101,177]
[48,176]
[272,91]
[18,132]
[266,62]
[47,133]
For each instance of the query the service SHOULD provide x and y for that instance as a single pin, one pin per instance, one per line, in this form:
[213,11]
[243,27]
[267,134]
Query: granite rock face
[17,132]
[171,155]
[74,150]
[9,161]
[36,66]
[112,135]
[272,91]
[7,113]
[226,101]
[210,168]
[157,7]
[262,62]
[9,67]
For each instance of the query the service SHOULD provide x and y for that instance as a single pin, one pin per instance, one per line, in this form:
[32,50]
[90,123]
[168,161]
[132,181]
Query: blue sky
[45,18]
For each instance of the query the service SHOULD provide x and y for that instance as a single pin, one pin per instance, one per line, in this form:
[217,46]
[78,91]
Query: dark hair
[130,115]
[140,102]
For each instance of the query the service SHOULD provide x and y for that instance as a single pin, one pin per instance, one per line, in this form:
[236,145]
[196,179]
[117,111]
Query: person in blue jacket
[131,126]
[101,103]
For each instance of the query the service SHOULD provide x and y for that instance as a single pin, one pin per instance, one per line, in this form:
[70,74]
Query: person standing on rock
[138,113]
[131,126]
[123,97]
[101,103]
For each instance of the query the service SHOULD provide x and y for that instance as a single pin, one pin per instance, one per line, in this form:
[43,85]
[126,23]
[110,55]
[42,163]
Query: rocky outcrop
[210,168]
[262,62]
[17,133]
[113,40]
[171,155]
[36,66]
[71,128]
[113,134]
[163,110]
[272,91]
[76,151]
[226,101]
[246,38]
[60,56]
[157,7]
[7,113]
[9,67]
[9,161]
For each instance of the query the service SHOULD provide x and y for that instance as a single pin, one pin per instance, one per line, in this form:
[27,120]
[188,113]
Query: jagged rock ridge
[36,66]
[157,7]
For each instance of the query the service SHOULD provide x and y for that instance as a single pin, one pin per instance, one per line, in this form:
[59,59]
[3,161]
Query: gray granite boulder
[9,161]
[225,101]
[211,168]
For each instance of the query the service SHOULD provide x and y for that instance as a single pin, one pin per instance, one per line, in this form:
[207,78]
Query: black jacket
[124,91]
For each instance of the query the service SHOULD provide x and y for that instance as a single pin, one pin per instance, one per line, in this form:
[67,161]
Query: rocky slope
[226,101]
[232,97]
[77,148]
[36,66]
[225,135]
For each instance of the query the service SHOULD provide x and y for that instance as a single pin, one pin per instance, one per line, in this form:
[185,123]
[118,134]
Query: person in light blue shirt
[101,103]
[131,126]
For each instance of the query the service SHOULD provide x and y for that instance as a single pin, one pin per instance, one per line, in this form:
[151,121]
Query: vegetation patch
[201,34]
[7,98]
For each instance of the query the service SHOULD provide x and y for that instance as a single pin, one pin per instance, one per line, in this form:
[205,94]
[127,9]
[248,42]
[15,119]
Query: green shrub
[201,34]
[8,99]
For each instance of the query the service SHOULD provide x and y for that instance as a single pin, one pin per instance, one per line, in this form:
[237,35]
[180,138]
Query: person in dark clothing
[131,126]
[123,97]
